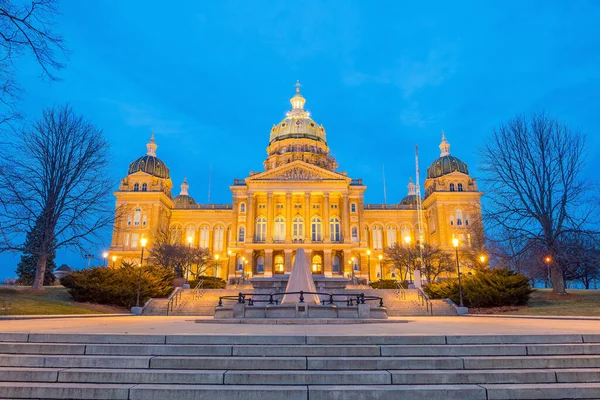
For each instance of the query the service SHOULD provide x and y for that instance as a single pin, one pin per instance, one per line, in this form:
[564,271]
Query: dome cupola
[446,163]
[149,163]
[184,199]
[411,198]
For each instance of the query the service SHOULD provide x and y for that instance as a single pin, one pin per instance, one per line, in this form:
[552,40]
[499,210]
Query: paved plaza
[415,326]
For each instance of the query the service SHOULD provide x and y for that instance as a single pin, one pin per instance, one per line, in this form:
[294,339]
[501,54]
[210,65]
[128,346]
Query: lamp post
[114,258]
[228,262]
[143,242]
[548,260]
[460,293]
[190,239]
[369,261]
[407,240]
[105,256]
[217,260]
[380,266]
[353,268]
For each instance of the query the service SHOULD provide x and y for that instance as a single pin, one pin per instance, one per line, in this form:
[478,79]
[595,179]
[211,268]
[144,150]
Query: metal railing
[425,301]
[199,290]
[349,298]
[399,291]
[174,300]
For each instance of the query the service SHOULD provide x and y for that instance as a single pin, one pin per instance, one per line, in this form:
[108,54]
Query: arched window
[334,229]
[460,187]
[260,265]
[136,187]
[452,220]
[242,207]
[317,264]
[137,216]
[134,240]
[144,187]
[279,264]
[452,187]
[279,229]
[405,231]
[240,264]
[353,207]
[204,235]
[377,238]
[261,229]
[316,229]
[459,217]
[190,234]
[298,228]
[354,233]
[466,220]
[218,238]
[241,234]
[335,265]
[391,235]
[355,263]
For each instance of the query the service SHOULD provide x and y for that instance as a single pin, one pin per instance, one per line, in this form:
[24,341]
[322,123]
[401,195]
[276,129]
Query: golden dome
[297,124]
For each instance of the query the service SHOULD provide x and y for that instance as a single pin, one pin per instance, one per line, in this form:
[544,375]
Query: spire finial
[298,85]
[444,146]
[151,146]
[411,187]
[298,100]
[184,187]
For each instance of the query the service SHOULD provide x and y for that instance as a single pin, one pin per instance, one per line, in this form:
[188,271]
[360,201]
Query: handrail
[425,300]
[174,299]
[198,291]
[349,298]
[400,292]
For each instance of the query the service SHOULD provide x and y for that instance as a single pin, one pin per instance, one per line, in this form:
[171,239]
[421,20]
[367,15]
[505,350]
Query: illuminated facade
[300,200]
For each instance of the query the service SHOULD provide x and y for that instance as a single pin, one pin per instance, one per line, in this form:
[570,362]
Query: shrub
[210,282]
[487,288]
[118,286]
[386,284]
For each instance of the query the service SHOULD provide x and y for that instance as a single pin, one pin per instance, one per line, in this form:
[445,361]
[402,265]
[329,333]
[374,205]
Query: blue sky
[211,78]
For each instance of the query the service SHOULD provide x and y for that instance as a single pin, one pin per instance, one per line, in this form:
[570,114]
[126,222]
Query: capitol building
[300,200]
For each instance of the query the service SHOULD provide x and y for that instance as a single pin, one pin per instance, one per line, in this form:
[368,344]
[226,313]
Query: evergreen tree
[26,268]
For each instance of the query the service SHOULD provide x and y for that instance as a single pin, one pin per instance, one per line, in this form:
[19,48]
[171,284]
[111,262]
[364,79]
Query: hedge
[387,284]
[210,282]
[487,288]
[118,286]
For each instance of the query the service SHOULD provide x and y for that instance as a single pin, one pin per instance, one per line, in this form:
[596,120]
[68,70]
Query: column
[327,263]
[234,224]
[364,240]
[326,217]
[307,217]
[249,267]
[346,220]
[346,268]
[269,218]
[287,253]
[250,218]
[268,263]
[288,217]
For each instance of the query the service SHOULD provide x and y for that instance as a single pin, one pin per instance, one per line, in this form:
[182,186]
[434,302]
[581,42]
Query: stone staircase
[192,305]
[315,367]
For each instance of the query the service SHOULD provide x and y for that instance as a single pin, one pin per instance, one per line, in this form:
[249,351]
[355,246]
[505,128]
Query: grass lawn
[53,300]
[543,302]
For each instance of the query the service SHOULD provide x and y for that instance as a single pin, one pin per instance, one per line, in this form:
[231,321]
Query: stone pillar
[326,217]
[268,263]
[364,240]
[270,223]
[287,253]
[234,224]
[346,268]
[288,217]
[307,217]
[249,267]
[346,219]
[327,263]
[250,218]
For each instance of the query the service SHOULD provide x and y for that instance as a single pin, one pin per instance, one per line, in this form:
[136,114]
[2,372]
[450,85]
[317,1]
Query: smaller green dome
[410,200]
[447,163]
[183,200]
[151,165]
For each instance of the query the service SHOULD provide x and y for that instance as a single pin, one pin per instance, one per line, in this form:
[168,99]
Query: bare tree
[54,181]
[405,260]
[26,28]
[536,194]
[436,262]
[168,252]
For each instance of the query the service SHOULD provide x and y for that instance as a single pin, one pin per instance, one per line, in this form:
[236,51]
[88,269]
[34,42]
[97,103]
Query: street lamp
[380,266]
[105,256]
[143,242]
[407,240]
[548,260]
[460,293]
[228,262]
[369,260]
[114,258]
[217,259]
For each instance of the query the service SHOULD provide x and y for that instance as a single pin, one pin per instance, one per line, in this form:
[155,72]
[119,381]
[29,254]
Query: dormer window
[144,187]
[136,187]
[460,187]
[452,187]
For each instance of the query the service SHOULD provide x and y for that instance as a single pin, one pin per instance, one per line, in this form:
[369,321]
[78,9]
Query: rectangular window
[297,206]
[279,206]
[261,206]
[335,206]
[144,219]
[126,240]
[134,240]
[315,206]
[218,241]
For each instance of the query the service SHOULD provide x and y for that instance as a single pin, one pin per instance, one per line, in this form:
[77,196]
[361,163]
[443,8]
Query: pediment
[298,171]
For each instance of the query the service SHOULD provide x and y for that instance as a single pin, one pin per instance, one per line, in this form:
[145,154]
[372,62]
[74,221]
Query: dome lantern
[184,199]
[184,187]
[149,163]
[151,147]
[446,163]
[298,100]
[444,146]
[411,188]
